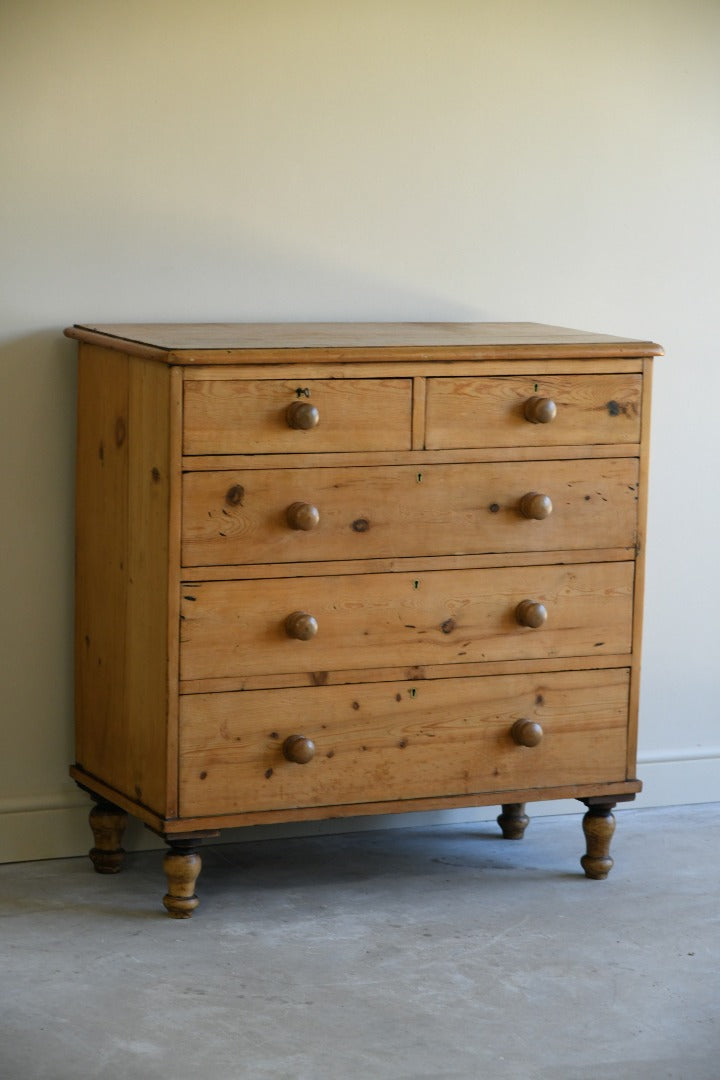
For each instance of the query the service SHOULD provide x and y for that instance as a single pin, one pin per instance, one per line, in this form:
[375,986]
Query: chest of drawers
[336,569]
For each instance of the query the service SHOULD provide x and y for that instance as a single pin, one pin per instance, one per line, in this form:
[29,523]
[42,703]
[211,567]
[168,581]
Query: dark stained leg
[108,824]
[513,820]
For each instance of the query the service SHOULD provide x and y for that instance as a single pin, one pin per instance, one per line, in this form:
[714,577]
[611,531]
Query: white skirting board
[56,826]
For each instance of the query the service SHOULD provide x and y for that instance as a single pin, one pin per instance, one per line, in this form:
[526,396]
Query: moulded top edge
[233,343]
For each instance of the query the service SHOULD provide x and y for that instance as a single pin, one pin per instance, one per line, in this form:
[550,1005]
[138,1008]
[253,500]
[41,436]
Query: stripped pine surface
[374,620]
[362,513]
[400,740]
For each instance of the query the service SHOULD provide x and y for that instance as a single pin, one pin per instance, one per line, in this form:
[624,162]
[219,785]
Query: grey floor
[418,954]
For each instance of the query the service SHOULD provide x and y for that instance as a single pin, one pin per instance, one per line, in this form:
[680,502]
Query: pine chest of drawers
[337,569]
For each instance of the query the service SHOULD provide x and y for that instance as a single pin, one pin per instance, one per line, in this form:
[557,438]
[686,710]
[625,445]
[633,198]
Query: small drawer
[296,515]
[552,410]
[390,741]
[284,417]
[370,621]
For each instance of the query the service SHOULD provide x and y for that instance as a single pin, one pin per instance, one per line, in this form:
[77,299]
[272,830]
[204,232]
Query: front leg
[108,825]
[182,865]
[598,826]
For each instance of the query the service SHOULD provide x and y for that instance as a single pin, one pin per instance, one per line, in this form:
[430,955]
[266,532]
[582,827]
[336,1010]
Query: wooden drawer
[369,621]
[233,416]
[390,741]
[242,517]
[484,412]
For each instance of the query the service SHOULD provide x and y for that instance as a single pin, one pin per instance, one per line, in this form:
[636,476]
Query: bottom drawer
[390,741]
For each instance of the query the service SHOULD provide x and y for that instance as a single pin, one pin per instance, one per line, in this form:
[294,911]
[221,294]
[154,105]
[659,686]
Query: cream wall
[549,160]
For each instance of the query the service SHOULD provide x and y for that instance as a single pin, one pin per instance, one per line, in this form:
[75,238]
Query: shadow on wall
[37,422]
[255,281]
[205,268]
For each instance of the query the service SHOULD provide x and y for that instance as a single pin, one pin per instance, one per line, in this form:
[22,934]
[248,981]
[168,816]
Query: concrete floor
[416,954]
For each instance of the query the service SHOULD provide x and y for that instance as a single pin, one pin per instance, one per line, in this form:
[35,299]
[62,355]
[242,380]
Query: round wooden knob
[303,516]
[526,733]
[299,749]
[531,613]
[300,625]
[302,415]
[540,410]
[535,505]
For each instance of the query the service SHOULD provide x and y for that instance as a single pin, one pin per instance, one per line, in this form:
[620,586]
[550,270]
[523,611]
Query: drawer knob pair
[304,516]
[301,625]
[526,733]
[301,750]
[298,748]
[302,415]
[531,613]
[540,410]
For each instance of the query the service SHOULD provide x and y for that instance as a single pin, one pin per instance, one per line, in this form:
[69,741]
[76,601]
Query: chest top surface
[232,343]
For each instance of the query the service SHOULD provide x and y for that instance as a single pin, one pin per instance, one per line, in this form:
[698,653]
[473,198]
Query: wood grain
[639,595]
[174,527]
[237,628]
[122,598]
[411,366]
[241,517]
[231,417]
[212,462]
[300,342]
[101,525]
[210,825]
[469,412]
[343,676]
[400,740]
[418,412]
[331,568]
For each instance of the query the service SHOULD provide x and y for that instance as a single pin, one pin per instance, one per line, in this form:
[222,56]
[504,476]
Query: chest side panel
[122,560]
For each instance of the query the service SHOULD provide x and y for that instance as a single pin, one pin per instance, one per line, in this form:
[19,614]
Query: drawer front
[484,412]
[389,741]
[244,417]
[370,621]
[291,515]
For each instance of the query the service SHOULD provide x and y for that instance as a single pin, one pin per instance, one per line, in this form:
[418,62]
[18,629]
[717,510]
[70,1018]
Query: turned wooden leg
[513,820]
[598,826]
[108,824]
[182,865]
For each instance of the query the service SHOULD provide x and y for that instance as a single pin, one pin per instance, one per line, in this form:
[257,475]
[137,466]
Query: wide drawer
[368,621]
[400,740]
[233,416]
[484,412]
[292,515]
